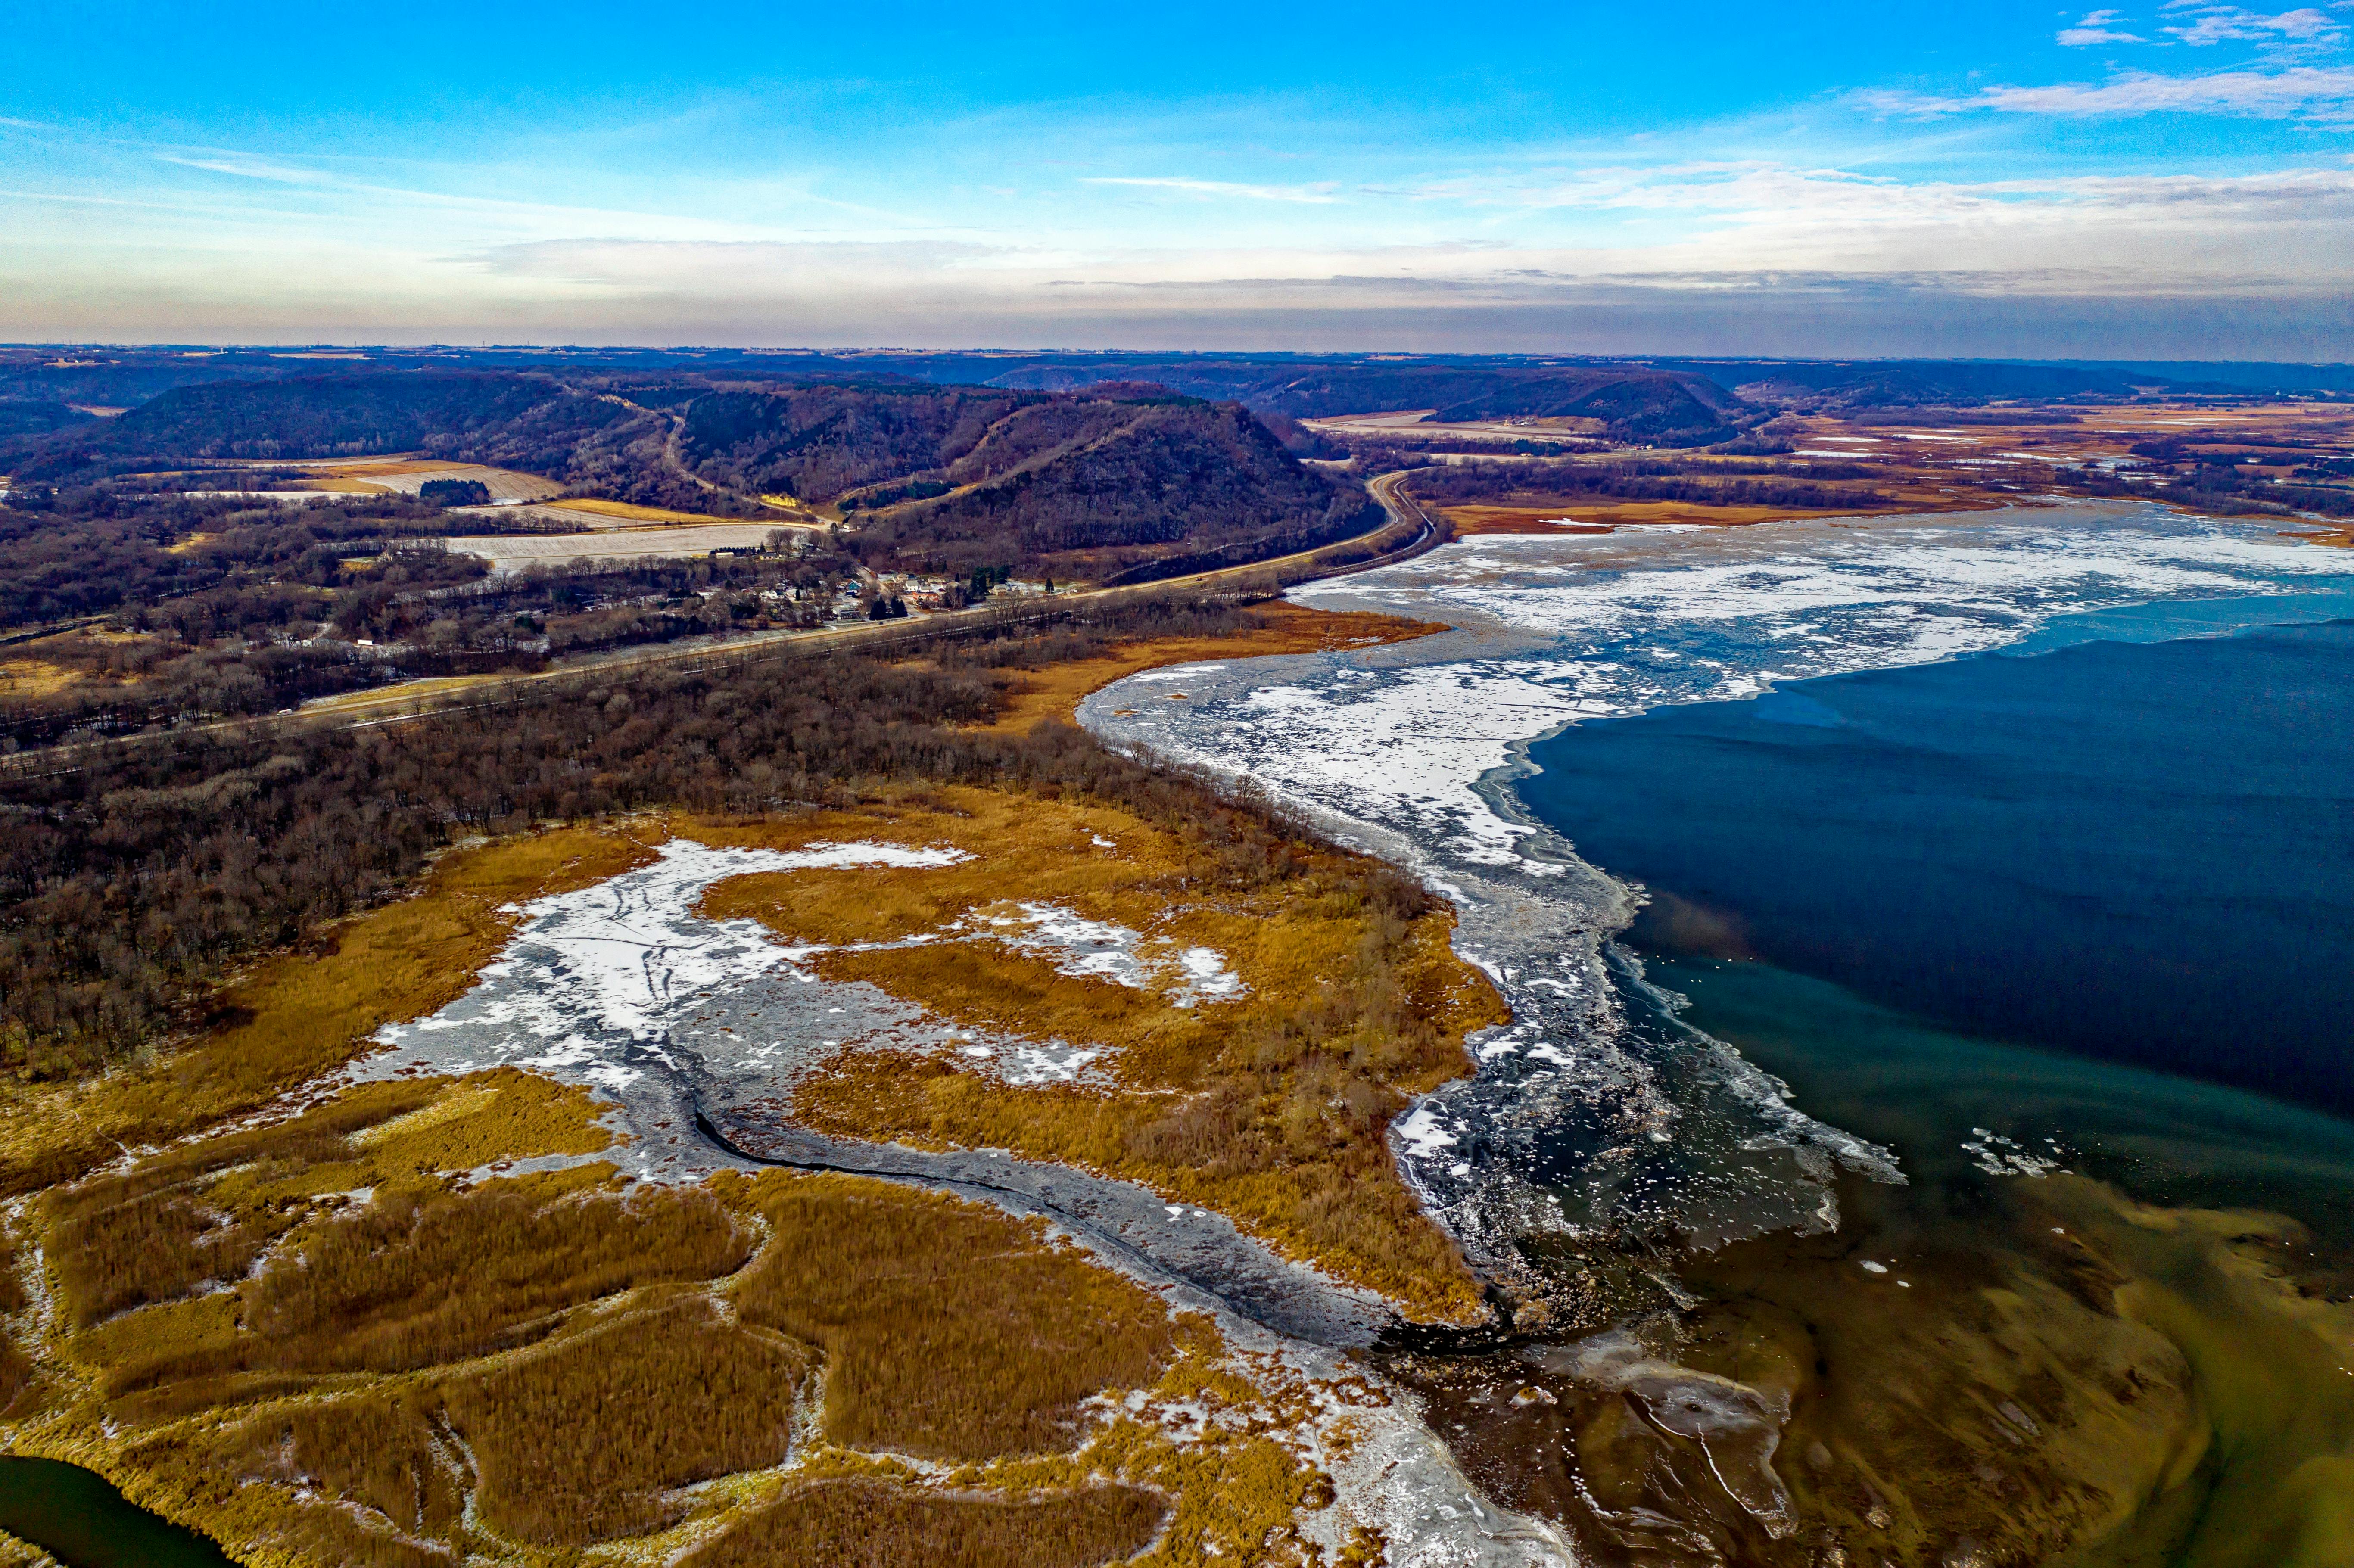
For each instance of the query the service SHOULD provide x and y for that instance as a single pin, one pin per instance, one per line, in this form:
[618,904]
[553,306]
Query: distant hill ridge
[929,477]
[66,380]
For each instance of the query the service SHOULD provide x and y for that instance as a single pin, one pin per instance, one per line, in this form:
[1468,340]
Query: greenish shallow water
[78,1516]
[1926,1092]
[2276,1489]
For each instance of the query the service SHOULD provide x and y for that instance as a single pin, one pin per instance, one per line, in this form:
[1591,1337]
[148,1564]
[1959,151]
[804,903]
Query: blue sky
[2171,180]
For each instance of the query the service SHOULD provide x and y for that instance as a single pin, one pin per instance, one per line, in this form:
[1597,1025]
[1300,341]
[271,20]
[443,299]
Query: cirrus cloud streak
[2322,93]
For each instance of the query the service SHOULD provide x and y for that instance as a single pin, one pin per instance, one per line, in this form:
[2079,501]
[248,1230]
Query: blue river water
[2067,777]
[1961,852]
[2137,850]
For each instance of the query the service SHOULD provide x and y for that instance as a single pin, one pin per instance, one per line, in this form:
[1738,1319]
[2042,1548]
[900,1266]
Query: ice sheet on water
[626,956]
[1595,1090]
[1566,628]
[625,985]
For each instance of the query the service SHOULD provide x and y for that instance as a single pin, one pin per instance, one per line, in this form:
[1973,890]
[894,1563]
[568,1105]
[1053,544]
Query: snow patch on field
[1103,949]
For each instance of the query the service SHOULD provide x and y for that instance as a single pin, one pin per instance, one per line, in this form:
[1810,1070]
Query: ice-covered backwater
[1595,1112]
[627,986]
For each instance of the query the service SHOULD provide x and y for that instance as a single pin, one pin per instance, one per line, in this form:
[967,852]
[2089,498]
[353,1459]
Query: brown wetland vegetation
[946,1332]
[855,1525]
[551,1363]
[1271,1109]
[309,1318]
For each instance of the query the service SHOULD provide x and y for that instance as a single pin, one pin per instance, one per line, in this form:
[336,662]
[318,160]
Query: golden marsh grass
[301,1016]
[860,1524]
[1271,1109]
[949,1331]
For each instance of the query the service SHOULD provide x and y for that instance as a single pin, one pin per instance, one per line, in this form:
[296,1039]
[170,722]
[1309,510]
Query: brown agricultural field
[629,513]
[1587,514]
[1973,459]
[343,487]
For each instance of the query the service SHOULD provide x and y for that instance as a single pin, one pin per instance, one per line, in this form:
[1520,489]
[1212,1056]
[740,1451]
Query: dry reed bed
[16,1553]
[298,1017]
[569,1355]
[897,1287]
[321,1377]
[673,1396]
[855,1524]
[202,1211]
[1271,1109]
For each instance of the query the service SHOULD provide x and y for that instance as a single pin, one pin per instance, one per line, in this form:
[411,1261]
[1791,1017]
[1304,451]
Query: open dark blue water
[2141,851]
[78,1517]
[2085,907]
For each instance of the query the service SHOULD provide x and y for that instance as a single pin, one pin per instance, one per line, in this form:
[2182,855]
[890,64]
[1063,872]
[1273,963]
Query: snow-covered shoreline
[1596,1109]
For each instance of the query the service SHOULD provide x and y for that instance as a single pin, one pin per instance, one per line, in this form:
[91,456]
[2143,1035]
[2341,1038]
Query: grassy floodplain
[329,1324]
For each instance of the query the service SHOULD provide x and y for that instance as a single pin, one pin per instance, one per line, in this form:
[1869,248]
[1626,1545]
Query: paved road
[1406,530]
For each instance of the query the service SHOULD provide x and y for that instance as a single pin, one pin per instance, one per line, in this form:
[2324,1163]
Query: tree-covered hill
[924,476]
[1171,486]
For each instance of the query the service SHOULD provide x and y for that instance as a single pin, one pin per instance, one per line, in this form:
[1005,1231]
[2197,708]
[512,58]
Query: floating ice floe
[1423,1133]
[1997,1155]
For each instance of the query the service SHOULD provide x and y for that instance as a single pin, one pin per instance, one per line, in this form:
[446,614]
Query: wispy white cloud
[1317,194]
[247,168]
[2323,93]
[2099,235]
[2162,259]
[2212,24]
[538,239]
[2095,29]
